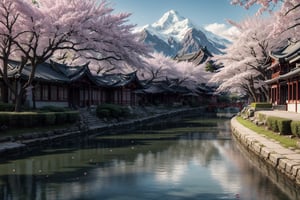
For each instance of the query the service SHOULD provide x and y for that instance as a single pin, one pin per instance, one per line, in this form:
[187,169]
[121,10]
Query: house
[196,58]
[71,86]
[120,88]
[170,92]
[285,76]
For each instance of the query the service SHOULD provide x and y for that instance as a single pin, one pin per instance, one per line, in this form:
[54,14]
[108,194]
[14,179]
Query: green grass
[283,140]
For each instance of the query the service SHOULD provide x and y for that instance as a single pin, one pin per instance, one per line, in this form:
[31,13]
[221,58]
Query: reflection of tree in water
[105,162]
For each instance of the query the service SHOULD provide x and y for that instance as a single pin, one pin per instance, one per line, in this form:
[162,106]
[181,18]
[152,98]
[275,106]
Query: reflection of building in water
[185,163]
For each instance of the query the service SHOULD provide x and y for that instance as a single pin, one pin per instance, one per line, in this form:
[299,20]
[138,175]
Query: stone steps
[89,118]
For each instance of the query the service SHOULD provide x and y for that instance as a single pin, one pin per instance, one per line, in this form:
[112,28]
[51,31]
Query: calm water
[194,159]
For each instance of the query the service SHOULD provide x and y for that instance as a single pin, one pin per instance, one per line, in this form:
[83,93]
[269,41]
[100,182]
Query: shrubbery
[261,117]
[261,105]
[31,119]
[7,107]
[295,128]
[284,126]
[272,124]
[278,124]
[111,111]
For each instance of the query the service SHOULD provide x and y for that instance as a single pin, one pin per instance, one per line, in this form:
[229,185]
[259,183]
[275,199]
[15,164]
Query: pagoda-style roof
[289,53]
[74,73]
[44,72]
[288,75]
[56,72]
[117,80]
[165,87]
[196,58]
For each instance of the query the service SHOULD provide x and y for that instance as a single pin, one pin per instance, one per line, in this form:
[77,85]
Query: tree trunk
[19,100]
[5,95]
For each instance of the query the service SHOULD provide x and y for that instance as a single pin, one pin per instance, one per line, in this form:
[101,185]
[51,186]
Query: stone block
[289,166]
[257,147]
[274,158]
[265,152]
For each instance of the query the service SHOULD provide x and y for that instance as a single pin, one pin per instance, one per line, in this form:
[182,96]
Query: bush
[61,118]
[256,105]
[49,118]
[28,119]
[272,124]
[4,118]
[31,119]
[284,126]
[261,117]
[72,116]
[278,124]
[7,107]
[53,109]
[111,111]
[295,128]
[22,119]
[104,113]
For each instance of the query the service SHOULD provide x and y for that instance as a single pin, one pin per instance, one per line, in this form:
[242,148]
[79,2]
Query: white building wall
[40,104]
[291,107]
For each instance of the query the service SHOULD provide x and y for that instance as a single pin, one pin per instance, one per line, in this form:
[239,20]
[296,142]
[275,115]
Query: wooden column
[296,98]
[278,94]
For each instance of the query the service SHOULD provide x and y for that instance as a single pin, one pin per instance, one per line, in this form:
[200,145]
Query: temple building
[285,77]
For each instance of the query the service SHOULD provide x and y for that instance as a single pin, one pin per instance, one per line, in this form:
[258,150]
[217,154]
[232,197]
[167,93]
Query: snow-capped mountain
[173,34]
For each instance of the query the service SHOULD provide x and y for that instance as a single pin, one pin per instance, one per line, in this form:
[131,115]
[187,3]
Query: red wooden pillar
[278,94]
[288,99]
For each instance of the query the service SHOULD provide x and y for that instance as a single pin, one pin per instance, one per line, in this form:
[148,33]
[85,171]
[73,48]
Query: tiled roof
[197,58]
[56,72]
[287,53]
[117,80]
[43,72]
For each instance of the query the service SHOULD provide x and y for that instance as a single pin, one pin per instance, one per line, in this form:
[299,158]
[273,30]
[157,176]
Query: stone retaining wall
[284,160]
[28,142]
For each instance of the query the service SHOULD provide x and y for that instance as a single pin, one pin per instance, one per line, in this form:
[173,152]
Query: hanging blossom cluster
[287,18]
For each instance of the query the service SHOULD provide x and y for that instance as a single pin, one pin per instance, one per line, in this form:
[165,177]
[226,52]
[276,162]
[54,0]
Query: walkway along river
[192,158]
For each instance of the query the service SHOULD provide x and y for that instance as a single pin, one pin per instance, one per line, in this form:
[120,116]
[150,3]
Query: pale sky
[210,14]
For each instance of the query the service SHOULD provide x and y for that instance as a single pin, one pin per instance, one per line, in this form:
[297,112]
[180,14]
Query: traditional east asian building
[120,88]
[196,58]
[71,86]
[285,77]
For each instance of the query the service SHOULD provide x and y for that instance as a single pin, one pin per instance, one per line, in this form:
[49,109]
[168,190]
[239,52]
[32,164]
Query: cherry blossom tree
[287,17]
[245,61]
[33,32]
[160,67]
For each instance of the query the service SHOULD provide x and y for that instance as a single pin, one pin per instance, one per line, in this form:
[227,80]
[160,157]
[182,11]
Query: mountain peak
[168,19]
[179,32]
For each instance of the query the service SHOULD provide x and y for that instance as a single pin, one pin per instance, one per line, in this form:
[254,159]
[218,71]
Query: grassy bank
[285,141]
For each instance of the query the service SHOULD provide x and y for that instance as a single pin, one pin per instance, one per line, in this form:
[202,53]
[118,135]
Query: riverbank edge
[284,160]
[17,146]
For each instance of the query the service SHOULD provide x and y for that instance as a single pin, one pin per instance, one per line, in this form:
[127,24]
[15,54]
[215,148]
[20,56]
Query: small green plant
[295,128]
[272,124]
[261,105]
[261,117]
[111,111]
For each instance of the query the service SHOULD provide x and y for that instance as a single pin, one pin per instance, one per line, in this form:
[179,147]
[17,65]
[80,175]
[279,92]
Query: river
[188,159]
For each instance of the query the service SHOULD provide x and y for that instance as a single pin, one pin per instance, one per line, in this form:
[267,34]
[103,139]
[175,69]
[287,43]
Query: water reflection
[194,159]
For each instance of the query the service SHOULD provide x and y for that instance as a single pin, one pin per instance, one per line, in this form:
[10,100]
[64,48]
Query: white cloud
[228,32]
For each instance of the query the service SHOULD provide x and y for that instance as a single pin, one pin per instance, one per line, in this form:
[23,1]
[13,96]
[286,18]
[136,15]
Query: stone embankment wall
[286,161]
[28,142]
